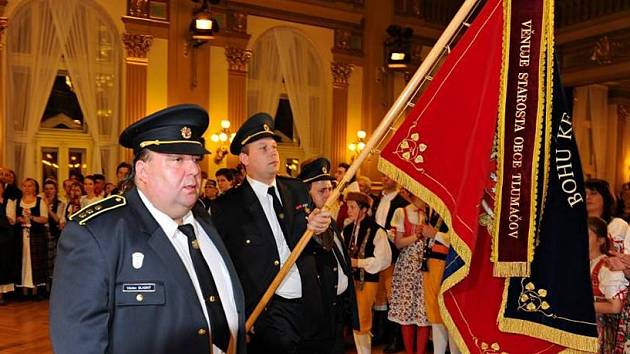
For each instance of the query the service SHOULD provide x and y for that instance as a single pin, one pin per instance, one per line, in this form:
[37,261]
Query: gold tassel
[511,269]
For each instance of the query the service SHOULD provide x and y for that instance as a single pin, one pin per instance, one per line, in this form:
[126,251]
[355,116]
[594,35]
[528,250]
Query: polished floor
[24,328]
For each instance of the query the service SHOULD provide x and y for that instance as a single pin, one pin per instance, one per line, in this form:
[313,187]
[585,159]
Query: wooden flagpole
[379,132]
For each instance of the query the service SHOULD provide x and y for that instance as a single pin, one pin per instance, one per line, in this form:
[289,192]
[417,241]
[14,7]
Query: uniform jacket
[327,270]
[241,221]
[93,308]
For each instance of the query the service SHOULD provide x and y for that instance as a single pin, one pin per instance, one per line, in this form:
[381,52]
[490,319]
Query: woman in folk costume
[29,214]
[74,203]
[55,213]
[600,203]
[609,287]
[7,250]
[407,305]
[369,253]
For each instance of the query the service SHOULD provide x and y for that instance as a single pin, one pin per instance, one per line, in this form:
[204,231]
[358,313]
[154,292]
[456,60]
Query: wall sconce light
[203,26]
[357,146]
[398,47]
[223,138]
[202,29]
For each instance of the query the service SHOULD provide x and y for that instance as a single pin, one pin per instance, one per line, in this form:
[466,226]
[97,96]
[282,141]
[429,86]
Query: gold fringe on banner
[508,269]
[551,334]
[511,325]
[507,10]
[502,268]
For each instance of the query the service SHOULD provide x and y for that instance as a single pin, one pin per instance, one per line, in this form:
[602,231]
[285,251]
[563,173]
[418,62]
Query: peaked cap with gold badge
[174,130]
[256,127]
[316,170]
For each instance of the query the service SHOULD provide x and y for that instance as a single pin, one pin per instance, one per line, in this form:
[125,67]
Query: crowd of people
[31,221]
[373,268]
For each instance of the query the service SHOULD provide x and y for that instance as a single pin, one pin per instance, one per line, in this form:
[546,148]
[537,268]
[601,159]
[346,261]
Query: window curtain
[302,70]
[264,77]
[33,57]
[41,32]
[591,111]
[283,53]
[89,56]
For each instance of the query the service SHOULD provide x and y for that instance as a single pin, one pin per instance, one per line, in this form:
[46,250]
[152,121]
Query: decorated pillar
[136,62]
[237,58]
[341,73]
[4,23]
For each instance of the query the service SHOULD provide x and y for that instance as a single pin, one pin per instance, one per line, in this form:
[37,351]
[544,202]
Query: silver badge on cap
[324,170]
[266,127]
[186,132]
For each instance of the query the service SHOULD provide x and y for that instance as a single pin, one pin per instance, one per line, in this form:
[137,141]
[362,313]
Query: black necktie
[277,207]
[219,325]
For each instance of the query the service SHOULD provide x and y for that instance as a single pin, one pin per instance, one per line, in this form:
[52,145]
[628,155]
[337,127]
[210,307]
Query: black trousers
[280,328]
[342,318]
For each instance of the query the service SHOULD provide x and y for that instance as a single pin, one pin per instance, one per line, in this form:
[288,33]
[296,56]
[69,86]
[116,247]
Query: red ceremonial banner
[442,152]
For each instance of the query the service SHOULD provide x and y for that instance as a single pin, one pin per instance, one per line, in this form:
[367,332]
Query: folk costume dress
[33,243]
[407,305]
[618,229]
[608,285]
[7,252]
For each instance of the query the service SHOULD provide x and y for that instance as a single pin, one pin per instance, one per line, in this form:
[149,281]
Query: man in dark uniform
[147,272]
[261,221]
[333,262]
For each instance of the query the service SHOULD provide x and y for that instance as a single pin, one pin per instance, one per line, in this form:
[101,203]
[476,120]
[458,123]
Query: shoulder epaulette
[97,208]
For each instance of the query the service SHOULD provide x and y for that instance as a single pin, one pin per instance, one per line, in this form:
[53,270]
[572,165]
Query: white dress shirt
[291,286]
[210,254]
[342,278]
[382,257]
[383,207]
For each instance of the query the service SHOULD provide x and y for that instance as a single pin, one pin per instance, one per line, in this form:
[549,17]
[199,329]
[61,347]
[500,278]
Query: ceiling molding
[306,13]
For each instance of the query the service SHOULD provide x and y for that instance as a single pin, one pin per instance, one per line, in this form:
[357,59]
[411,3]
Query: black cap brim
[182,149]
[236,147]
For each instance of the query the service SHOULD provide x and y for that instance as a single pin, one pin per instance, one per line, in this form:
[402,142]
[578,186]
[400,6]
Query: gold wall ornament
[341,73]
[342,39]
[4,24]
[138,8]
[238,58]
[239,22]
[623,111]
[137,46]
[604,50]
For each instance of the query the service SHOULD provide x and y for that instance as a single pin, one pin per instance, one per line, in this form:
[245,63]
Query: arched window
[285,80]
[72,41]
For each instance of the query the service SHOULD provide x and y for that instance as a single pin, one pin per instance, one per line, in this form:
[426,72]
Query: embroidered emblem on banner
[410,149]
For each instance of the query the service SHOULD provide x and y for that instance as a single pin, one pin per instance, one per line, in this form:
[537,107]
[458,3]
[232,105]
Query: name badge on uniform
[138,288]
[136,260]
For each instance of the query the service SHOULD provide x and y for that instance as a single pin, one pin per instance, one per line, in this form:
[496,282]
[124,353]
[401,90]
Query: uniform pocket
[140,293]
